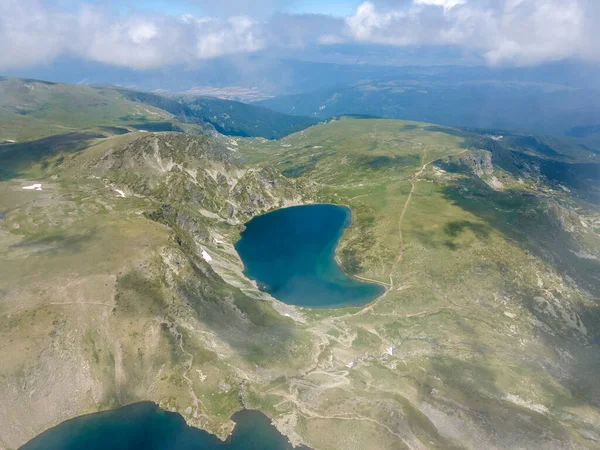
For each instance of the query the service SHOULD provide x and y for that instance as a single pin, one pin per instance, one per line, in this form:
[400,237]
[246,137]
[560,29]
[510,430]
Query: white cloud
[28,34]
[446,4]
[138,41]
[369,25]
[520,32]
[235,35]
[330,39]
[142,32]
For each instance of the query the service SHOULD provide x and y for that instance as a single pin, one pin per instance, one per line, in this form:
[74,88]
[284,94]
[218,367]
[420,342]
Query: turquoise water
[290,253]
[144,426]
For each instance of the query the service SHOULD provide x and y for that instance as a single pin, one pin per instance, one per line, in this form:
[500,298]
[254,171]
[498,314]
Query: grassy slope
[31,109]
[103,305]
[239,119]
[492,340]
[227,117]
[543,108]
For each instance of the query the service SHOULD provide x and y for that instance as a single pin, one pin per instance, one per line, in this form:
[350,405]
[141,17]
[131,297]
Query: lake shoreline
[291,254]
[146,426]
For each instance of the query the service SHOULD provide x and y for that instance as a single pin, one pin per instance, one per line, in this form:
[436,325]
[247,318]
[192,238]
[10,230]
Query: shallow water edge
[144,426]
[290,253]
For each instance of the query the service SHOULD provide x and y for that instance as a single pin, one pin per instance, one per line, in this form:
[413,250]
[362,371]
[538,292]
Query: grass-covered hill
[105,292]
[487,336]
[119,282]
[227,117]
[532,107]
[32,109]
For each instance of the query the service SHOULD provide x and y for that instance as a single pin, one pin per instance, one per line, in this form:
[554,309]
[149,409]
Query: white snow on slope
[33,187]
[206,256]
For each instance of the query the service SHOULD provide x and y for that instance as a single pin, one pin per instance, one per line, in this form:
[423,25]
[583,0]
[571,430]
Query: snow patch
[33,187]
[120,192]
[206,256]
[510,315]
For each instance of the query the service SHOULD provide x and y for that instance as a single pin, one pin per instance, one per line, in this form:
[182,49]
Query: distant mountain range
[559,98]
[32,109]
[529,107]
[276,75]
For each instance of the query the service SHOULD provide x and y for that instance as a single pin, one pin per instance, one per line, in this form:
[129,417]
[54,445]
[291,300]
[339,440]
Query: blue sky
[173,8]
[338,8]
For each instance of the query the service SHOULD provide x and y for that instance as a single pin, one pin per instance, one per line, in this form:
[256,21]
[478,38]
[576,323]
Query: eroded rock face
[196,172]
[480,161]
[228,210]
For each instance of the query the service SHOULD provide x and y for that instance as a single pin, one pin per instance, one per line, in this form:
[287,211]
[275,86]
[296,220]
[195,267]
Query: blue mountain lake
[290,252]
[143,426]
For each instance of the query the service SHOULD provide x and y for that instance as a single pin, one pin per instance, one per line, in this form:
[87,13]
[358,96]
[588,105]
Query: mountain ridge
[32,109]
[485,336]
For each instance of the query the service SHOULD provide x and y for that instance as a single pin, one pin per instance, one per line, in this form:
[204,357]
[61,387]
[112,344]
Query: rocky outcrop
[480,161]
[195,174]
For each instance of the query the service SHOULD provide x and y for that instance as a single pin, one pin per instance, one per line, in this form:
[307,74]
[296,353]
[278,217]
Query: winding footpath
[413,180]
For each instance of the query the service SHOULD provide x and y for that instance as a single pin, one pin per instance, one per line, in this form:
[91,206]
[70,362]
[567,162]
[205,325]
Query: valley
[485,337]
